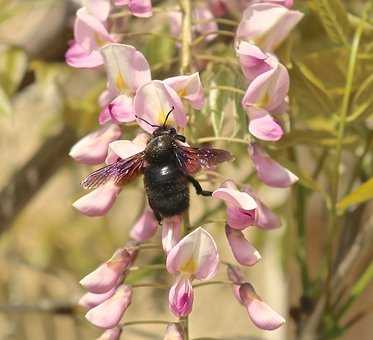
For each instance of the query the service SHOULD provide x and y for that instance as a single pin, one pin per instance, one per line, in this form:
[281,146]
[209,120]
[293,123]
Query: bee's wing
[120,172]
[192,159]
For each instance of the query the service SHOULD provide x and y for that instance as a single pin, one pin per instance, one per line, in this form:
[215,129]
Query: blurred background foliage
[45,106]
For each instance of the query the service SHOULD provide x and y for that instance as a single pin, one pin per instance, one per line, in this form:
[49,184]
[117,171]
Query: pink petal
[121,2]
[243,251]
[181,296]
[174,332]
[123,149]
[252,60]
[188,87]
[99,201]
[240,219]
[90,300]
[268,90]
[263,126]
[93,148]
[145,227]
[109,313]
[154,100]
[196,254]
[120,110]
[262,315]
[107,275]
[235,198]
[171,232]
[98,8]
[203,14]
[126,67]
[77,56]
[141,8]
[267,25]
[111,334]
[105,97]
[265,218]
[269,171]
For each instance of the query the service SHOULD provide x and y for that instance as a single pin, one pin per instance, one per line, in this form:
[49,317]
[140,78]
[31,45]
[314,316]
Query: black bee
[167,165]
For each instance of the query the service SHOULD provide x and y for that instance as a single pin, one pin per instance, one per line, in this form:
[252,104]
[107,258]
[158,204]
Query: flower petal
[111,334]
[235,198]
[99,201]
[107,275]
[77,56]
[145,227]
[269,171]
[171,232]
[90,300]
[206,23]
[262,315]
[263,126]
[196,254]
[126,67]
[154,100]
[98,8]
[93,148]
[267,25]
[174,332]
[235,274]
[188,87]
[120,110]
[141,8]
[109,313]
[243,251]
[181,296]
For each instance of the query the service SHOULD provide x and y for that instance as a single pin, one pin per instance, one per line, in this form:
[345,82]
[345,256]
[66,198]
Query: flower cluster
[132,96]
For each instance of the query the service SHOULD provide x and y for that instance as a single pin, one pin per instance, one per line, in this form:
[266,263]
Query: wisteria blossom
[139,8]
[194,257]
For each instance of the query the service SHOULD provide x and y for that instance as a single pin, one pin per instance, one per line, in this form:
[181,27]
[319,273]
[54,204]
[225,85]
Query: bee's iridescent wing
[120,172]
[191,160]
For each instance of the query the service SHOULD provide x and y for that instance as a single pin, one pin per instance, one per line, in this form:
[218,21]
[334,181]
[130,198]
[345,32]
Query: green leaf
[362,194]
[334,19]
[367,277]
[13,66]
[5,105]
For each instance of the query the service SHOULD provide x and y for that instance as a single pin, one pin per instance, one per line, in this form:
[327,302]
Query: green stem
[148,267]
[145,322]
[223,21]
[202,37]
[227,88]
[150,285]
[185,320]
[227,139]
[186,36]
[210,283]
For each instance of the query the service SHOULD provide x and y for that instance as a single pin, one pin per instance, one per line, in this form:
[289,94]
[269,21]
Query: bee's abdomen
[167,189]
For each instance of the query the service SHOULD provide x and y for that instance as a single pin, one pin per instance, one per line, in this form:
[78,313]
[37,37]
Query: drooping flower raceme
[90,34]
[194,257]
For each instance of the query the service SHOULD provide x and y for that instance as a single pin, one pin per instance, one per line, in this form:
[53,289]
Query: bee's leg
[158,216]
[198,187]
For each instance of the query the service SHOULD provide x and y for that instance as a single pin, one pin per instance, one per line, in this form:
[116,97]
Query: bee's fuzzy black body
[167,165]
[167,187]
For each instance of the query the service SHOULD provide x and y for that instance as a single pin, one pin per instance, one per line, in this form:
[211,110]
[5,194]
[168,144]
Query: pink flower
[286,3]
[195,256]
[269,89]
[262,315]
[107,275]
[90,34]
[267,25]
[189,88]
[240,217]
[127,70]
[171,232]
[111,334]
[174,332]
[263,126]
[154,100]
[100,9]
[243,251]
[109,313]
[241,207]
[205,23]
[269,171]
[90,300]
[139,8]
[145,227]
[125,148]
[181,297]
[99,201]
[93,148]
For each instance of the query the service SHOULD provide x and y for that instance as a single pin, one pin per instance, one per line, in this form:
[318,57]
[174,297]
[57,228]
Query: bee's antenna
[152,125]
[168,114]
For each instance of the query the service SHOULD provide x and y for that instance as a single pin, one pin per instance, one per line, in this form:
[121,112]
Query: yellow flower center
[120,83]
[189,267]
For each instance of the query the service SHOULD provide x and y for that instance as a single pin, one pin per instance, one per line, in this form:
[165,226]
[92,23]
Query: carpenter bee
[167,164]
